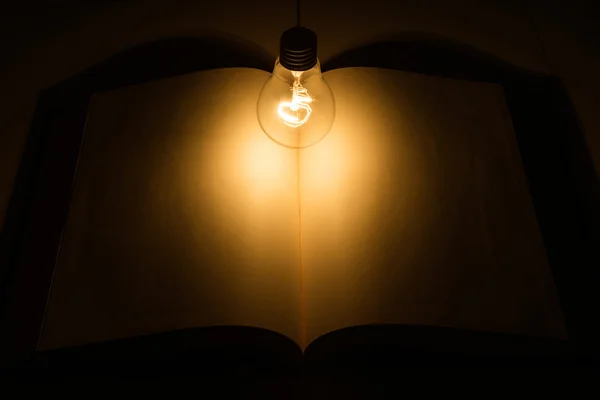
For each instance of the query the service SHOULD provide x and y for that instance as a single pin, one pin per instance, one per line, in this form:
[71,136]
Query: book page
[184,214]
[415,210]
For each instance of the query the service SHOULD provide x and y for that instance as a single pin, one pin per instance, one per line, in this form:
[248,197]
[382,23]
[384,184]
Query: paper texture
[183,214]
[415,210]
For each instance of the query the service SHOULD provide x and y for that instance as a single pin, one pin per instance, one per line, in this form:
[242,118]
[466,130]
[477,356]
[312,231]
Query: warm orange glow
[412,210]
[205,231]
[263,166]
[296,112]
[403,216]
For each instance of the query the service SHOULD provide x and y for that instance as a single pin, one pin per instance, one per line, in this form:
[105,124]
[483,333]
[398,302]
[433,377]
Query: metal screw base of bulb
[298,49]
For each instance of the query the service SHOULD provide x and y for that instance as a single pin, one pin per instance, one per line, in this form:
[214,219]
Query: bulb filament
[296,112]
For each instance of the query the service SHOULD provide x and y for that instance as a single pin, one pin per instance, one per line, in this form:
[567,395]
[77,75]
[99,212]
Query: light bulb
[296,107]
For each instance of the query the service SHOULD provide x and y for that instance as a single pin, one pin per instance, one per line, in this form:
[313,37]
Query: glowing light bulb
[296,107]
[296,112]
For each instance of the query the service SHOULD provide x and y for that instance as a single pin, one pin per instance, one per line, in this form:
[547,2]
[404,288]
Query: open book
[412,211]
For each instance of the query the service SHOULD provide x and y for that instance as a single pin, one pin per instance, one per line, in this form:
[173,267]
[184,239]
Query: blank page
[184,214]
[415,210]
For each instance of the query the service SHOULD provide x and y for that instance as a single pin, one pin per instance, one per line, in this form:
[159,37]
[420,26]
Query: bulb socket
[298,49]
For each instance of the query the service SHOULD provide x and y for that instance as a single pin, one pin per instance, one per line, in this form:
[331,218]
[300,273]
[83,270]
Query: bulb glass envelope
[296,108]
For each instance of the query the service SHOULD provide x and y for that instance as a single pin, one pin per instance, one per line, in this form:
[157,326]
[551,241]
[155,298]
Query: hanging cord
[298,12]
[536,33]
